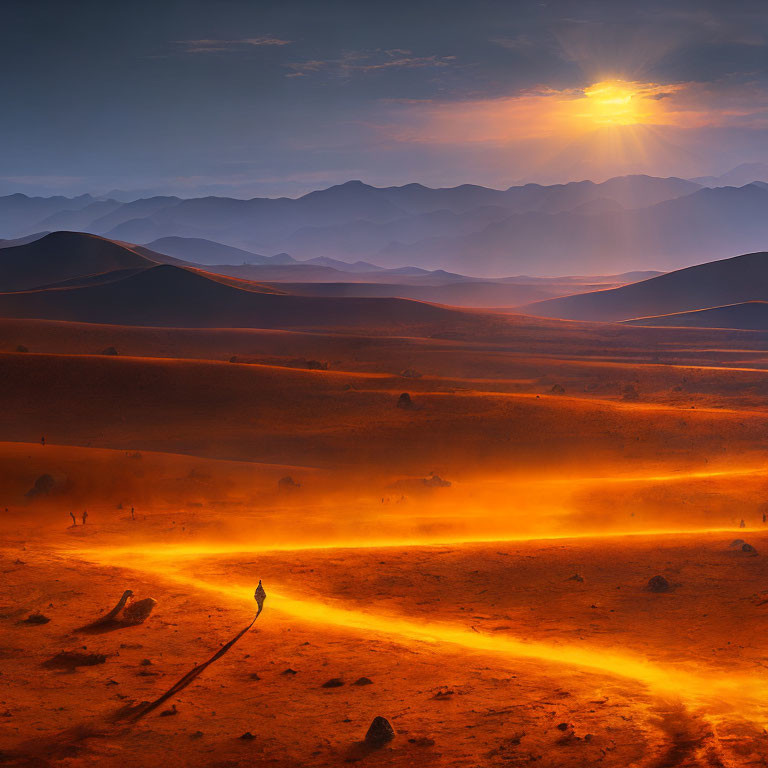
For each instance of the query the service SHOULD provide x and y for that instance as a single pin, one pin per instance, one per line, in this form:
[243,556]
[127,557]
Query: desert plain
[470,562]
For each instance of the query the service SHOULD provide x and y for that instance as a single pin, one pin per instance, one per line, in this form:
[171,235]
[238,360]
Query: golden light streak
[747,694]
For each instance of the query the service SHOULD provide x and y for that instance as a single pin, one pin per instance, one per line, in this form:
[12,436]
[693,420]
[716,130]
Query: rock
[423,741]
[404,401]
[109,351]
[145,662]
[287,483]
[72,659]
[169,712]
[22,348]
[254,676]
[659,584]
[289,671]
[380,732]
[575,577]
[562,726]
[737,543]
[629,394]
[363,681]
[435,481]
[248,736]
[138,612]
[42,487]
[334,682]
[36,618]
[410,373]
[557,389]
[748,548]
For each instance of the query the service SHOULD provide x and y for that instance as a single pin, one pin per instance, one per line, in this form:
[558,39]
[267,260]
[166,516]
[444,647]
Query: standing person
[42,440]
[133,517]
[74,519]
[85,516]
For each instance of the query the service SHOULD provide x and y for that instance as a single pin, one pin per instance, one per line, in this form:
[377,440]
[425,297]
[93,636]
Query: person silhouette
[74,519]
[85,516]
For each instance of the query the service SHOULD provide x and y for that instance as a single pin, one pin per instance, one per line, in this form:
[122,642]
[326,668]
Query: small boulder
[557,389]
[288,484]
[334,682]
[42,487]
[363,681]
[109,351]
[404,401]
[748,548]
[22,348]
[36,618]
[247,736]
[736,543]
[410,373]
[575,577]
[659,584]
[380,732]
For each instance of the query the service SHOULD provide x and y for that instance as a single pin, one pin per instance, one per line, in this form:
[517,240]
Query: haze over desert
[384,384]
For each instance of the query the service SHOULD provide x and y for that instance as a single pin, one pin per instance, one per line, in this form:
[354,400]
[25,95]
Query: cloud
[353,62]
[208,45]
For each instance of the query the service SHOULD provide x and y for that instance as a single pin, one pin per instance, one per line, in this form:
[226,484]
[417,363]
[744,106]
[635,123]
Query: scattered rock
[254,676]
[248,736]
[575,577]
[404,401]
[435,481]
[169,712]
[557,389]
[422,741]
[42,487]
[629,394]
[410,373]
[138,612]
[363,681]
[748,548]
[145,663]
[562,726]
[36,618]
[334,682]
[737,543]
[659,584]
[109,351]
[196,735]
[70,660]
[289,671]
[380,732]
[22,348]
[287,483]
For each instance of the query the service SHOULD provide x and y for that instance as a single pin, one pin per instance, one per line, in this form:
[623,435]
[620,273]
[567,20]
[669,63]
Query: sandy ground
[481,557]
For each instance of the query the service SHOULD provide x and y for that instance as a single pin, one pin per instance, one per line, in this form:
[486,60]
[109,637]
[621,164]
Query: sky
[239,98]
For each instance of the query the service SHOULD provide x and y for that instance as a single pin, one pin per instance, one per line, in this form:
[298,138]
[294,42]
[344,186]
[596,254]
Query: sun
[616,102]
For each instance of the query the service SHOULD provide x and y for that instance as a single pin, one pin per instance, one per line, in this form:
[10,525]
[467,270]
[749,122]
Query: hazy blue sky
[248,98]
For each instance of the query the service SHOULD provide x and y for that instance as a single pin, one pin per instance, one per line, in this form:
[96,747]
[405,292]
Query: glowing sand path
[171,551]
[747,695]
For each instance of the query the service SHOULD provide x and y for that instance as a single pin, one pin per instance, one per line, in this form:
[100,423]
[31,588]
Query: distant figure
[133,517]
[763,516]
[42,440]
[74,519]
[742,524]
[85,516]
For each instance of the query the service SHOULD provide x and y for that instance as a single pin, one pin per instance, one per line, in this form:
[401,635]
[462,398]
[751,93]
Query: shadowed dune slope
[165,295]
[717,283]
[62,256]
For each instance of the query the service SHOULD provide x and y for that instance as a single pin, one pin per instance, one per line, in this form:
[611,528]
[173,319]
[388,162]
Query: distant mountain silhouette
[748,316]
[166,295]
[742,174]
[714,284]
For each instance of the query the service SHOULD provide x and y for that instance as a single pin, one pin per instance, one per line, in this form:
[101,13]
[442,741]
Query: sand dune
[716,283]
